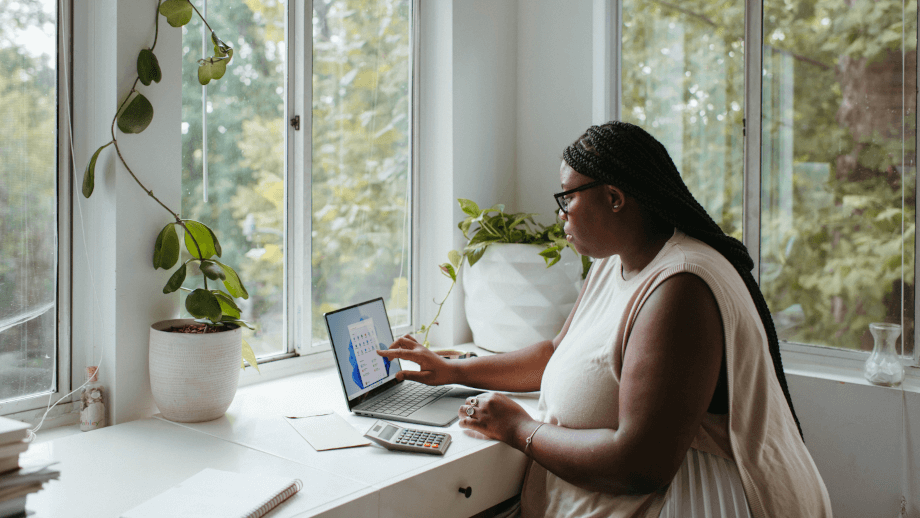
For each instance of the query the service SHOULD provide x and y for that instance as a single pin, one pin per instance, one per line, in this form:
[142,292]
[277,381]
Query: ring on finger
[470,410]
[474,401]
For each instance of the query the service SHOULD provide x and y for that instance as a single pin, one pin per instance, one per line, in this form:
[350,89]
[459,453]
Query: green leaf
[227,306]
[205,238]
[238,322]
[212,68]
[585,266]
[455,258]
[221,49]
[249,356]
[89,176]
[233,283]
[469,207]
[176,280]
[482,238]
[201,303]
[148,68]
[177,12]
[464,227]
[474,256]
[136,116]
[166,249]
[448,270]
[212,270]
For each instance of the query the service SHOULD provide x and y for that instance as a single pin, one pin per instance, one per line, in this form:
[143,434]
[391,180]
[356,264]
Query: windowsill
[840,366]
[353,481]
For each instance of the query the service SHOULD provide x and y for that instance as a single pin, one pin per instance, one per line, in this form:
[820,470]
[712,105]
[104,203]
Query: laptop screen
[356,332]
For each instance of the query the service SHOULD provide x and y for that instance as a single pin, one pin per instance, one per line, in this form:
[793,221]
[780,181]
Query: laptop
[369,380]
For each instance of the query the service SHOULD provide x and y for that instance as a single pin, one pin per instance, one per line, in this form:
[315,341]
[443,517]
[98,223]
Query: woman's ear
[617,198]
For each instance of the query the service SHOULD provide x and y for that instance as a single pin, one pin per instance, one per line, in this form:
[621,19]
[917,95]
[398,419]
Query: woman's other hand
[496,416]
[433,370]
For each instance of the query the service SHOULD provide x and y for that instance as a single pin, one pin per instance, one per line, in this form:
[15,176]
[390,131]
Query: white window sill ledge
[843,366]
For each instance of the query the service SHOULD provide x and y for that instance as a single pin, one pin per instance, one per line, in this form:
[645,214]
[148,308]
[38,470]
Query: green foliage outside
[245,154]
[838,167]
[28,275]
[360,157]
[361,182]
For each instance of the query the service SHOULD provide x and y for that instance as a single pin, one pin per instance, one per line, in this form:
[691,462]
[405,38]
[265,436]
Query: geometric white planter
[193,377]
[513,300]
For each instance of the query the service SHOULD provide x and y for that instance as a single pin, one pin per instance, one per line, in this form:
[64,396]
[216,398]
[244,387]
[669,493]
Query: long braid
[627,156]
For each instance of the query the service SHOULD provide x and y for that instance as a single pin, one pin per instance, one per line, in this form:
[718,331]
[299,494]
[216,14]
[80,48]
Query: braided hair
[624,155]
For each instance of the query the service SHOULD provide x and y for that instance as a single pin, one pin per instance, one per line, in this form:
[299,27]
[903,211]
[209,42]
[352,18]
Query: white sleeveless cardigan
[759,438]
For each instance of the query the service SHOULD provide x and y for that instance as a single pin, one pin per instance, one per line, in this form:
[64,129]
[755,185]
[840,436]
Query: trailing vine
[216,307]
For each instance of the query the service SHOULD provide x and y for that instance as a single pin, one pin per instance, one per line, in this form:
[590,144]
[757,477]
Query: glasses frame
[560,196]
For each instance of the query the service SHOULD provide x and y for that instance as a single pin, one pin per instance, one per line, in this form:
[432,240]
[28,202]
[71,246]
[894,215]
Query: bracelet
[530,439]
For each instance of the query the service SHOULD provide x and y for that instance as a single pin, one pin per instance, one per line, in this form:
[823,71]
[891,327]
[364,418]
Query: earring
[615,207]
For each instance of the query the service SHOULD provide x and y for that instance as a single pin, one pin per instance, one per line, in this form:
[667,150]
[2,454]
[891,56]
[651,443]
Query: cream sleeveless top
[758,438]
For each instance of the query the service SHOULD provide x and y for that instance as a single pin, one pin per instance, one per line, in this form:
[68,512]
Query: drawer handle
[467,491]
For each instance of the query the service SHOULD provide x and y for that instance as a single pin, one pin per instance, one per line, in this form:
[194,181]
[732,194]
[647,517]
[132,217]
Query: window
[361,186]
[241,175]
[839,169]
[836,178]
[29,239]
[233,155]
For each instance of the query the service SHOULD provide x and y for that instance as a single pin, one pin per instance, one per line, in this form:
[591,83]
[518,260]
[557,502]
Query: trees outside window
[28,198]
[837,159]
[235,140]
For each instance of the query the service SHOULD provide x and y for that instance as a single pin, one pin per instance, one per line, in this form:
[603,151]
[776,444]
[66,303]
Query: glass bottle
[92,402]
[883,366]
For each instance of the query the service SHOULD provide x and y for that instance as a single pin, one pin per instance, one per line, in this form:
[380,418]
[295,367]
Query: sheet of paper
[295,413]
[328,432]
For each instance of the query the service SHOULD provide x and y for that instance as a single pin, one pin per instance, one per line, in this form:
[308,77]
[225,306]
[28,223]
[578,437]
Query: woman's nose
[562,215]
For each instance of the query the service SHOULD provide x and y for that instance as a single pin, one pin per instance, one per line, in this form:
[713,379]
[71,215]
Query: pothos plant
[215,308]
[485,227]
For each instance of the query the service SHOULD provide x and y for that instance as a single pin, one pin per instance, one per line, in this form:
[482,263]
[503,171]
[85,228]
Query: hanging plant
[212,306]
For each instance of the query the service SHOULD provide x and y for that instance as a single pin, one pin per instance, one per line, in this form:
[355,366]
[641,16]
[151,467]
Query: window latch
[295,122]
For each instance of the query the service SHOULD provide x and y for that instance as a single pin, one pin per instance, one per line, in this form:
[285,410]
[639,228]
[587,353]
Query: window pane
[682,81]
[361,181]
[838,169]
[28,198]
[243,155]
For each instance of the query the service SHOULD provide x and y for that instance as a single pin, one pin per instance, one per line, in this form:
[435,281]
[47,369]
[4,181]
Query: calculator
[395,437]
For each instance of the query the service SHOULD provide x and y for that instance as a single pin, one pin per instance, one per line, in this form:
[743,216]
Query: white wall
[554,95]
[853,431]
[467,131]
[117,295]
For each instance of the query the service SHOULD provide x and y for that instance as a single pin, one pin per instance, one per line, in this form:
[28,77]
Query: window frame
[607,105]
[302,354]
[31,408]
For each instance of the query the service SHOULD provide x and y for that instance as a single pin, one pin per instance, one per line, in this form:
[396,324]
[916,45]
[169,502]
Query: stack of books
[17,482]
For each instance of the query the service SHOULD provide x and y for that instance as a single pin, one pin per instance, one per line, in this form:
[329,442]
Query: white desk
[108,471]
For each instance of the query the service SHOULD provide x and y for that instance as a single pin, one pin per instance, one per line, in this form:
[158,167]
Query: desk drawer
[493,475]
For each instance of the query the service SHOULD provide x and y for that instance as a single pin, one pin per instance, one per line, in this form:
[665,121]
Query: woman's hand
[433,370]
[494,415]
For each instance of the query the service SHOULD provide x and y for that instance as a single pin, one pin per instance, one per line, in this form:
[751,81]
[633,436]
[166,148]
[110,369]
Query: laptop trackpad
[462,392]
[441,412]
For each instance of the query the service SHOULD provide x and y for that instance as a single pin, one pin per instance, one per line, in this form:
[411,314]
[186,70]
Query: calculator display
[388,432]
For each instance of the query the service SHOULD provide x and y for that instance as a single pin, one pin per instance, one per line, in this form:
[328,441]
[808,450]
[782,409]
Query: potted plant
[511,300]
[194,363]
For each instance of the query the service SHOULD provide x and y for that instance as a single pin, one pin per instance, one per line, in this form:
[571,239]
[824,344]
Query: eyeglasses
[563,202]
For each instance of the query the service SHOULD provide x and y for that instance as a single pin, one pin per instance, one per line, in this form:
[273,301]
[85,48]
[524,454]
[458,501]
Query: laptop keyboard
[407,399]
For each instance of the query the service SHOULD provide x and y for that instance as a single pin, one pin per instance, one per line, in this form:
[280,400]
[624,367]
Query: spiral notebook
[219,494]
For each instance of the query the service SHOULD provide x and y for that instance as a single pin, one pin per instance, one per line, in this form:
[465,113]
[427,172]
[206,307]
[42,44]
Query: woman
[663,395]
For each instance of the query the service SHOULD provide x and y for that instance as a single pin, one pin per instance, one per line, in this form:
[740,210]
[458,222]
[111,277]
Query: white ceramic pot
[513,300]
[193,377]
